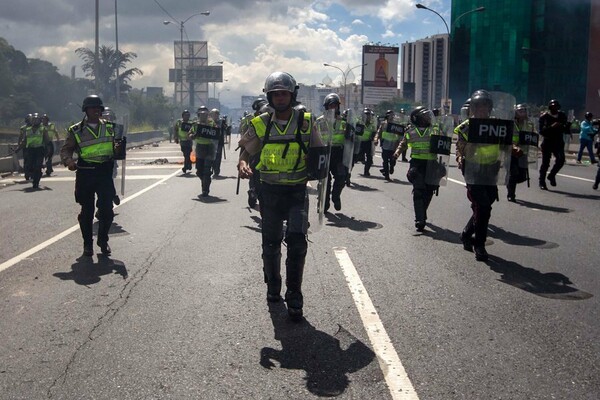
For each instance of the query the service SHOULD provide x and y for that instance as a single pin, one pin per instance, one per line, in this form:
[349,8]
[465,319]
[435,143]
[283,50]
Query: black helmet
[481,97]
[554,103]
[280,81]
[45,116]
[300,107]
[258,103]
[202,109]
[421,116]
[589,115]
[185,112]
[109,114]
[388,113]
[331,98]
[92,101]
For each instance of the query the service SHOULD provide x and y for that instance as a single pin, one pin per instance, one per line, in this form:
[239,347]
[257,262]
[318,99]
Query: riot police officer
[338,172]
[479,164]
[282,140]
[518,162]
[182,130]
[424,170]
[389,143]
[205,134]
[52,135]
[553,125]
[33,140]
[221,126]
[260,106]
[93,140]
[365,132]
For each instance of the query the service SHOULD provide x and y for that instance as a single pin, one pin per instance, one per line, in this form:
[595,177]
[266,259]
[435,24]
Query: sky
[252,38]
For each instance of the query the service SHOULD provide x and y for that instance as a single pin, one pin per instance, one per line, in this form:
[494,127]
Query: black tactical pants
[35,162]
[516,175]
[482,197]
[95,185]
[389,162]
[205,154]
[337,173]
[281,203]
[186,149]
[49,155]
[365,156]
[422,192]
[550,149]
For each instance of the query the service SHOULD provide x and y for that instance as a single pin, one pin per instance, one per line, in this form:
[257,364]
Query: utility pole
[97,52]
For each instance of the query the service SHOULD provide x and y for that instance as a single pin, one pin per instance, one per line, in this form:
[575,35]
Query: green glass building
[535,49]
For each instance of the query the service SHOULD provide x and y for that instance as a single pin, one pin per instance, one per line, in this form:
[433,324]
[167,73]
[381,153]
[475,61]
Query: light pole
[345,77]
[118,88]
[181,27]
[447,86]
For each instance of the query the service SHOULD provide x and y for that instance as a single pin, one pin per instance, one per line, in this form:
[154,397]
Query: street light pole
[447,86]
[215,83]
[118,60]
[181,27]
[345,77]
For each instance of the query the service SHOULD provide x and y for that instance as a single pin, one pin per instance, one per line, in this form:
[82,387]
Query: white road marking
[455,181]
[7,264]
[395,375]
[576,177]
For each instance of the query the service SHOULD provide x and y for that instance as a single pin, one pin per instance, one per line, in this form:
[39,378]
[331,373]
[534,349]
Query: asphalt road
[179,311]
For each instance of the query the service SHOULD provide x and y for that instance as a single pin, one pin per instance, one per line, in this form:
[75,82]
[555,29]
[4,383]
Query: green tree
[108,60]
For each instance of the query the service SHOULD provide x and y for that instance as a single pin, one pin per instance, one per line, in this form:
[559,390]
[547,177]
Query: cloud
[252,39]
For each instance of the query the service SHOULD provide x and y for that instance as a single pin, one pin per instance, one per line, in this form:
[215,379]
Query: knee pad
[296,244]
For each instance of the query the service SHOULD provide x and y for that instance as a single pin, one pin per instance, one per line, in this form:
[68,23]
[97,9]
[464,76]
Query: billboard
[380,75]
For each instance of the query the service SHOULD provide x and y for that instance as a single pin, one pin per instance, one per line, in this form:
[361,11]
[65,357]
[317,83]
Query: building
[535,49]
[423,73]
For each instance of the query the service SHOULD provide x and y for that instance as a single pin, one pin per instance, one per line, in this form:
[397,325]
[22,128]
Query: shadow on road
[86,272]
[577,195]
[340,220]
[552,285]
[438,233]
[518,240]
[362,188]
[209,199]
[326,359]
[542,207]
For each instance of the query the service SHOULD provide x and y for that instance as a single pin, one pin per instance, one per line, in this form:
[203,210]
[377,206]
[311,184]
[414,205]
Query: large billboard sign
[380,75]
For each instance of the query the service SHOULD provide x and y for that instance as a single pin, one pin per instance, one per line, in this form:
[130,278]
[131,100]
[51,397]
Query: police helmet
[108,114]
[301,107]
[258,103]
[185,112]
[367,111]
[266,108]
[589,115]
[28,118]
[280,81]
[481,98]
[554,103]
[202,109]
[331,98]
[402,111]
[92,101]
[421,116]
[389,113]
[45,117]
[35,119]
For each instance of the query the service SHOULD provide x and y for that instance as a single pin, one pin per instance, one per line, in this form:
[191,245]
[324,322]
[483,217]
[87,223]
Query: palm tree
[108,61]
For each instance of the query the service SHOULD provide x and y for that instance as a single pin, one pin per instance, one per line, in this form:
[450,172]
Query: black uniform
[552,128]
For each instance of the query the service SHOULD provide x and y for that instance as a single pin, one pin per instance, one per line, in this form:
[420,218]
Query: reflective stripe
[282,160]
[94,148]
[420,143]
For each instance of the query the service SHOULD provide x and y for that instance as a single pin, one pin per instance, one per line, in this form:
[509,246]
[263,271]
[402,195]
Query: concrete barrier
[10,163]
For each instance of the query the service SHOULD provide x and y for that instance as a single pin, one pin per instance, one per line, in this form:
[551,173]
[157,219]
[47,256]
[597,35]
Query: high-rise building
[535,49]
[424,64]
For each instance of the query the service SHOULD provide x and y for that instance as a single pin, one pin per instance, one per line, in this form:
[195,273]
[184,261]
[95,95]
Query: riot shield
[318,170]
[393,132]
[440,144]
[121,134]
[488,151]
[208,149]
[528,143]
[349,141]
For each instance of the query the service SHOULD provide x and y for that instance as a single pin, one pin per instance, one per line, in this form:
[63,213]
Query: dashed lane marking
[395,375]
[7,264]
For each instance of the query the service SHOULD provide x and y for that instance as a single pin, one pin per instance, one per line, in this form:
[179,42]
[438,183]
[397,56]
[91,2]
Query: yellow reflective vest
[420,142]
[95,145]
[480,153]
[34,139]
[282,158]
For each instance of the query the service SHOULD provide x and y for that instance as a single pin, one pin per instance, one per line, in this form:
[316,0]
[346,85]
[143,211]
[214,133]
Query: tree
[108,60]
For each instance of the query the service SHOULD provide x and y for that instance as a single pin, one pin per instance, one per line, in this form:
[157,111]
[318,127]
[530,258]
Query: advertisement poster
[380,76]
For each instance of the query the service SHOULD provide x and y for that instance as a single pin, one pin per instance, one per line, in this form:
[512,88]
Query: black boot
[86,233]
[293,294]
[466,236]
[272,271]
[480,253]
